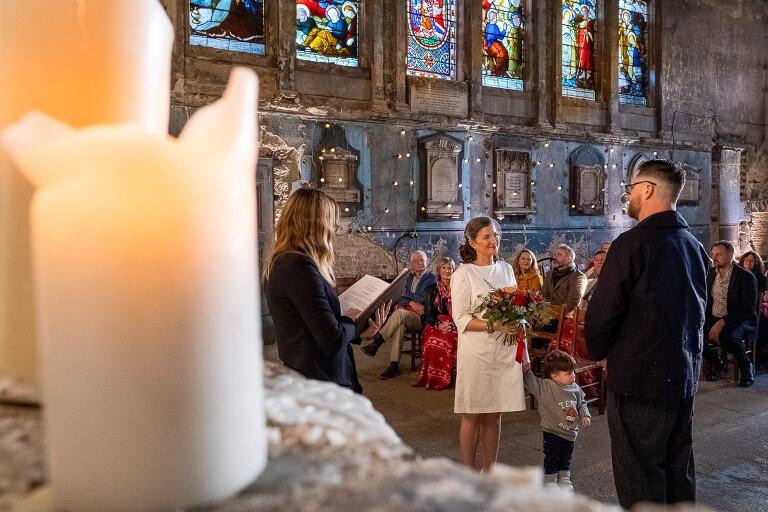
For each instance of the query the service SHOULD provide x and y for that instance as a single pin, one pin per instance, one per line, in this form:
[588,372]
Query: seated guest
[439,338]
[312,335]
[527,271]
[604,248]
[407,314]
[731,315]
[751,261]
[593,274]
[564,284]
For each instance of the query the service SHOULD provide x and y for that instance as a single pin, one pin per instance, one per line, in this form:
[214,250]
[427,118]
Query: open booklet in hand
[359,301]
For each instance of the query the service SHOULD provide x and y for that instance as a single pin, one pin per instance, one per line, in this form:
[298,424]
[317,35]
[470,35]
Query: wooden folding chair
[584,364]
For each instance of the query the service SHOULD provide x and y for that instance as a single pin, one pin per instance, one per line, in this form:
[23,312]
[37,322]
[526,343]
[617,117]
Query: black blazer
[312,336]
[647,314]
[741,302]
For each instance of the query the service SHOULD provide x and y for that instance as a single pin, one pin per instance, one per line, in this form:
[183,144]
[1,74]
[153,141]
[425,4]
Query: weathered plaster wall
[707,92]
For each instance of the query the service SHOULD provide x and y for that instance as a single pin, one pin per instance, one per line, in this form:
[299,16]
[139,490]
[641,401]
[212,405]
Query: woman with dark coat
[752,261]
[313,337]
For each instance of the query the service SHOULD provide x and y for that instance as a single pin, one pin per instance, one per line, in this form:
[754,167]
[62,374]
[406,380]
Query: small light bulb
[402,132]
[321,158]
[407,155]
[399,155]
[333,150]
[611,150]
[538,162]
[341,180]
[533,182]
[386,210]
[573,206]
[477,160]
[623,183]
[466,160]
[593,206]
[370,228]
[411,183]
[514,192]
[346,209]
[559,187]
[395,183]
[546,144]
[423,209]
[605,166]
[327,125]
[613,166]
[322,149]
[471,138]
[655,153]
[449,205]
[494,185]
[322,180]
[551,165]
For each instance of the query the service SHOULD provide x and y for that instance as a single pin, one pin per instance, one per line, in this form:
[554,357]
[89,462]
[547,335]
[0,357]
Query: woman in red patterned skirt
[439,338]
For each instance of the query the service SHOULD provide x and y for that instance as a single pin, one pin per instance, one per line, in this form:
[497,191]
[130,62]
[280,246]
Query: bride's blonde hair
[307,226]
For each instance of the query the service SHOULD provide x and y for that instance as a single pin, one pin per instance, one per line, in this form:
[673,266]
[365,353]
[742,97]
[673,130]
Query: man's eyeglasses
[628,186]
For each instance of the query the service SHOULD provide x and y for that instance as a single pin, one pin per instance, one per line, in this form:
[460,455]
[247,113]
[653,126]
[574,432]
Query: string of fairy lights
[402,176]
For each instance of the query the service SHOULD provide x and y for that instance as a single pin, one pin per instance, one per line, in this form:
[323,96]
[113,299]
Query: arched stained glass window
[633,22]
[503,44]
[432,38]
[236,25]
[327,31]
[578,48]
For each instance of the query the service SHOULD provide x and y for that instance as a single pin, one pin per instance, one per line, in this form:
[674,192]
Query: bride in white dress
[488,379]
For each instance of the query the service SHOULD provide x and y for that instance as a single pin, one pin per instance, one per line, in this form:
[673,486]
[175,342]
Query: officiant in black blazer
[313,337]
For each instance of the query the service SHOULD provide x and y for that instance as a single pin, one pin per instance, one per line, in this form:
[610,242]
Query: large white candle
[84,62]
[144,258]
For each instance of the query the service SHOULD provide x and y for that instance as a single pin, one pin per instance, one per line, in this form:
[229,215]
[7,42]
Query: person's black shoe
[370,349]
[713,372]
[747,374]
[392,371]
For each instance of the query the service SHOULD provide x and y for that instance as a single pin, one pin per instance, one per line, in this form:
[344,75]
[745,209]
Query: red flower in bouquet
[510,306]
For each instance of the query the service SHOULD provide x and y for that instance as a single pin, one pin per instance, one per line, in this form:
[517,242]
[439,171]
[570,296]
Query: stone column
[727,208]
[610,74]
[541,53]
[378,91]
[286,55]
[473,54]
[396,18]
[554,20]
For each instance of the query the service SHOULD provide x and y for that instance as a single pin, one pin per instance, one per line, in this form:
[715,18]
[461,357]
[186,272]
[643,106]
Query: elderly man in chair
[407,316]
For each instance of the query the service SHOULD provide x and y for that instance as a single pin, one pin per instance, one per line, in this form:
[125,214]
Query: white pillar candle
[84,62]
[144,255]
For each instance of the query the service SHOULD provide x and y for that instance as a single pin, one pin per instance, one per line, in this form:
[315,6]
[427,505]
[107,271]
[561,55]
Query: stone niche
[586,194]
[512,176]
[441,196]
[337,164]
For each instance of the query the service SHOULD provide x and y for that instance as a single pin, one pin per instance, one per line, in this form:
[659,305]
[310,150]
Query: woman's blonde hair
[534,263]
[446,260]
[307,226]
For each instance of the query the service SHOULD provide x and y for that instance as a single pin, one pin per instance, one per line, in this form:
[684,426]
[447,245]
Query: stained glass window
[633,17]
[236,25]
[326,31]
[432,38]
[578,48]
[503,44]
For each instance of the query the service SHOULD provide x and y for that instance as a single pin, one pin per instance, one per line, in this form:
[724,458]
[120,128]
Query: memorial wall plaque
[512,175]
[441,194]
[337,164]
[438,98]
[691,193]
[587,182]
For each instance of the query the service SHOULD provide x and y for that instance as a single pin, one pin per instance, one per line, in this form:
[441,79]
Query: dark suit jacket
[427,280]
[312,336]
[647,314]
[568,290]
[741,302]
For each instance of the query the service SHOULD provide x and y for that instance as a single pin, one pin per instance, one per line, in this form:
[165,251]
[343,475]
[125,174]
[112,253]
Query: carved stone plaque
[441,197]
[438,98]
[587,182]
[337,165]
[691,193]
[512,195]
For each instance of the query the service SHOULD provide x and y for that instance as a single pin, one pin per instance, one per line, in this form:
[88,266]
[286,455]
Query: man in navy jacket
[731,313]
[407,316]
[646,317]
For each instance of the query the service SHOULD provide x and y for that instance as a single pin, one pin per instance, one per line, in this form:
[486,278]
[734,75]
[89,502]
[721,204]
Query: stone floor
[731,435]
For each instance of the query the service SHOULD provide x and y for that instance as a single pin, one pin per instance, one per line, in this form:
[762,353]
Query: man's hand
[526,368]
[714,332]
[416,307]
[585,421]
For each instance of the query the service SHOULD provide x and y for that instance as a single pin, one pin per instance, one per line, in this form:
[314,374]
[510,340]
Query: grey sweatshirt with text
[560,407]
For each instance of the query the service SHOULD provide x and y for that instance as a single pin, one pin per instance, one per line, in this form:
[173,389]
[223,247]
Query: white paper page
[361,294]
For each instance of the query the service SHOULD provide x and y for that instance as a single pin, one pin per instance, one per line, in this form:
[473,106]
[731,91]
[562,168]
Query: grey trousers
[394,330]
[652,449]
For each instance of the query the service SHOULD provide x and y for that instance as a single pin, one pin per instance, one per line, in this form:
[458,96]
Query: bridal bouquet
[523,310]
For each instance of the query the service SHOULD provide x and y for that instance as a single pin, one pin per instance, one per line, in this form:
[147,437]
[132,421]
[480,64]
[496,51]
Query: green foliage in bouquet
[524,311]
